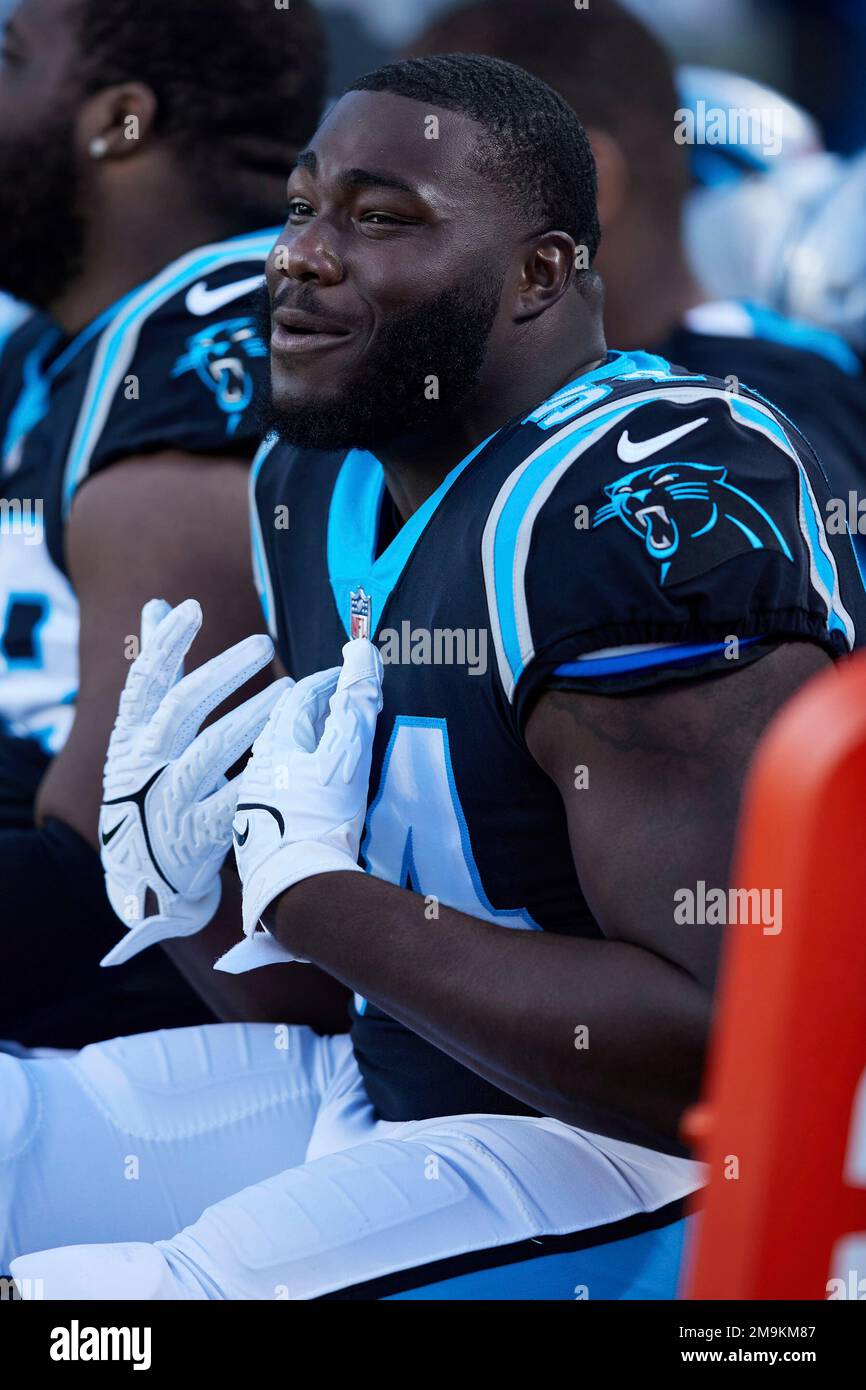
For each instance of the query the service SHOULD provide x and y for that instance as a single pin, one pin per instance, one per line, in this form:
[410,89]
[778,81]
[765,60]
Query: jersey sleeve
[177,367]
[674,540]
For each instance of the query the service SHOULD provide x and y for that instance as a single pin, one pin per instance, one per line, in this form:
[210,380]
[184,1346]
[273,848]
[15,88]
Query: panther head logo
[671,505]
[218,355]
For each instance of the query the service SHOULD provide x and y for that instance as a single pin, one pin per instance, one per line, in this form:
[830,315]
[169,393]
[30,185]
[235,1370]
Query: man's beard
[424,365]
[42,233]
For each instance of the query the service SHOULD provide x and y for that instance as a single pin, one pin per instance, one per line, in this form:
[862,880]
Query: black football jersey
[812,375]
[172,365]
[640,525]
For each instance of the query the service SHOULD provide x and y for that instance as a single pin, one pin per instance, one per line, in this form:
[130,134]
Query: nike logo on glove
[201,300]
[634,451]
[257,806]
[110,834]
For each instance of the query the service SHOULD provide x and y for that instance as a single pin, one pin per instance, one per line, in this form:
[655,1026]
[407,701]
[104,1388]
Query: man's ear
[547,273]
[115,123]
[613,176]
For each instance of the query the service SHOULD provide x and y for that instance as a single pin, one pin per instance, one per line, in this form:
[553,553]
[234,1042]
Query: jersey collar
[353,519]
[353,527]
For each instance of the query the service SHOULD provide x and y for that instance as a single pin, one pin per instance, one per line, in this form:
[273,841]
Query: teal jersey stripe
[353,523]
[505,544]
[825,576]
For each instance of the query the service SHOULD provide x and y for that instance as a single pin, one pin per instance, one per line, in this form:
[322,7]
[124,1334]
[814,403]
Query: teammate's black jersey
[641,523]
[170,366]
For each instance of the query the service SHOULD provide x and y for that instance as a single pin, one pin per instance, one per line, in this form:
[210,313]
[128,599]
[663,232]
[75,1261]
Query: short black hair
[607,64]
[532,143]
[239,83]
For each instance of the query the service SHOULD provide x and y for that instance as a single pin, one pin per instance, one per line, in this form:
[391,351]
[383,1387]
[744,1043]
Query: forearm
[596,1033]
[296,994]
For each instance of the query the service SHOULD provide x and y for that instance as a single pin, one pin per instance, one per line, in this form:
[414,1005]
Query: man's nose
[306,257]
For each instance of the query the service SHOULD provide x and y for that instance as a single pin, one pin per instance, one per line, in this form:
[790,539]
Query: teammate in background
[614,72]
[143,151]
[591,579]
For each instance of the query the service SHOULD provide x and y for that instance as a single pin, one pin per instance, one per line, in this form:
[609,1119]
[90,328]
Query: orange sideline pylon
[783,1123]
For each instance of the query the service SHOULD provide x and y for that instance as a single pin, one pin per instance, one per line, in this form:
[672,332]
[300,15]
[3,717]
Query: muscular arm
[665,775]
[170,526]
[167,526]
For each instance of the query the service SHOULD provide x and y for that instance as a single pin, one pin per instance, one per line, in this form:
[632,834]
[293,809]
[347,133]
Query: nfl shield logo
[360,611]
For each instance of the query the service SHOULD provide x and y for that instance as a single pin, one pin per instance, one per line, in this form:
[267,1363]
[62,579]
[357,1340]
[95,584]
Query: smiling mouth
[661,533]
[298,339]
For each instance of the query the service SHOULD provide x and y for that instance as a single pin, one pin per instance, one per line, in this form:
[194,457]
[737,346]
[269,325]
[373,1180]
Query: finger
[299,716]
[219,747]
[220,808]
[346,745]
[360,683]
[160,658]
[308,712]
[152,615]
[185,707]
[361,662]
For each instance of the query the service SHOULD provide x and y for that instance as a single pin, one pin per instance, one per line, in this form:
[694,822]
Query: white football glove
[302,799]
[165,824]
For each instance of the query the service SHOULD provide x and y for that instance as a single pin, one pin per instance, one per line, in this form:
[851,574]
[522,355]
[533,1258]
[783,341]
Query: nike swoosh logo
[242,839]
[260,806]
[109,835]
[200,300]
[634,451]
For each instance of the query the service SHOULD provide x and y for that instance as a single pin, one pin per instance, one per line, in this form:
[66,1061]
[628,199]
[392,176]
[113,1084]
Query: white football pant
[244,1161]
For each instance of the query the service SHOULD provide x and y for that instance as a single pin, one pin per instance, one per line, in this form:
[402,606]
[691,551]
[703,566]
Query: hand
[303,795]
[165,824]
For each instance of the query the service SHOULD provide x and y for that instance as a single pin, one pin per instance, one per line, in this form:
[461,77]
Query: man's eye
[299,207]
[382,219]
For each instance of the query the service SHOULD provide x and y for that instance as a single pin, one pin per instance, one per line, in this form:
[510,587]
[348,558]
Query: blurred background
[787,230]
[813,53]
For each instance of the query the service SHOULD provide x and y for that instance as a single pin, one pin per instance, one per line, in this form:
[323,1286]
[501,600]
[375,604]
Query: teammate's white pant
[243,1161]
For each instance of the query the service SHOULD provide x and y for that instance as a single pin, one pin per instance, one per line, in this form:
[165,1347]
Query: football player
[617,76]
[579,584]
[143,151]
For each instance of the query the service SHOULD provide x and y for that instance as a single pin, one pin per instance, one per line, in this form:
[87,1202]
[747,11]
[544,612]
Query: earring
[98,147]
